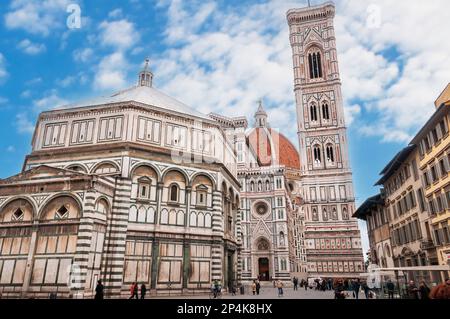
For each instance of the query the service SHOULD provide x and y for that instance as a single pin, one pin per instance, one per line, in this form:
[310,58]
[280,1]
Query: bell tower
[332,235]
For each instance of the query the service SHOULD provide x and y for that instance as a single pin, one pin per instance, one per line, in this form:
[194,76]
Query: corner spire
[145,76]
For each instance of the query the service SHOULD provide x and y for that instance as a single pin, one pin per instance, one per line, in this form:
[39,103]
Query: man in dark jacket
[143,291]
[99,290]
[390,288]
[356,287]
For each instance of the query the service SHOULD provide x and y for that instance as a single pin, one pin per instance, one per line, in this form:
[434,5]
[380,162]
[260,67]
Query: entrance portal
[263,265]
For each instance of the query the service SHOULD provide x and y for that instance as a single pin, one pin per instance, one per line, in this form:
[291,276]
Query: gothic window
[252,186]
[330,153]
[267,186]
[313,112]
[259,186]
[315,65]
[173,190]
[317,155]
[325,111]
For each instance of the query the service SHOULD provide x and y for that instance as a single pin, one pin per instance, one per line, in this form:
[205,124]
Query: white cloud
[67,81]
[224,60]
[31,48]
[50,101]
[119,34]
[34,81]
[23,124]
[36,16]
[3,72]
[83,55]
[112,72]
[116,13]
[26,94]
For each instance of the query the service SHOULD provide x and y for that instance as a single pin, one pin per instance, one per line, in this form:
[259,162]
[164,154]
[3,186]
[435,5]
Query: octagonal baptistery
[136,187]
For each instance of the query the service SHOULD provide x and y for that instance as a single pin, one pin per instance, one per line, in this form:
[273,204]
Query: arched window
[315,65]
[259,186]
[317,155]
[313,112]
[330,153]
[252,186]
[267,186]
[173,193]
[325,111]
[202,192]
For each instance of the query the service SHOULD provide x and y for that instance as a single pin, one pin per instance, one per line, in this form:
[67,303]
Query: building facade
[139,187]
[134,187]
[433,143]
[332,239]
[415,199]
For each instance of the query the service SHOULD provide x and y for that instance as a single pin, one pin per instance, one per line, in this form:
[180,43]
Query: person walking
[143,291]
[390,288]
[366,290]
[305,284]
[356,287]
[295,283]
[254,287]
[134,290]
[280,288]
[441,291]
[413,291]
[258,287]
[424,291]
[99,290]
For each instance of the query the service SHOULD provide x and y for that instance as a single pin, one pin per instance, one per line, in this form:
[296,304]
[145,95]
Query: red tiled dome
[284,154]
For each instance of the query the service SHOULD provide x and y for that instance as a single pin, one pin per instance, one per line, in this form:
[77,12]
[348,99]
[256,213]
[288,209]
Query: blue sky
[223,56]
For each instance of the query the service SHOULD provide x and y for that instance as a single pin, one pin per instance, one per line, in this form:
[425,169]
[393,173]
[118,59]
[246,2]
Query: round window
[261,208]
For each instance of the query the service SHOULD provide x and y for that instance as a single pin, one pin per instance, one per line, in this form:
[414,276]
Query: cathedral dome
[273,148]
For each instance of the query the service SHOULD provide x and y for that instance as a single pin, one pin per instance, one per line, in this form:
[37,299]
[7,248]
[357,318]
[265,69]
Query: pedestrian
[99,290]
[339,290]
[254,287]
[356,287]
[280,288]
[390,288]
[134,290]
[143,291]
[366,290]
[441,291]
[330,284]
[258,287]
[413,291]
[424,291]
[306,285]
[295,283]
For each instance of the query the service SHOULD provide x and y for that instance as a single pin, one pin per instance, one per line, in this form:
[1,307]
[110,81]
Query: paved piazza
[269,293]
